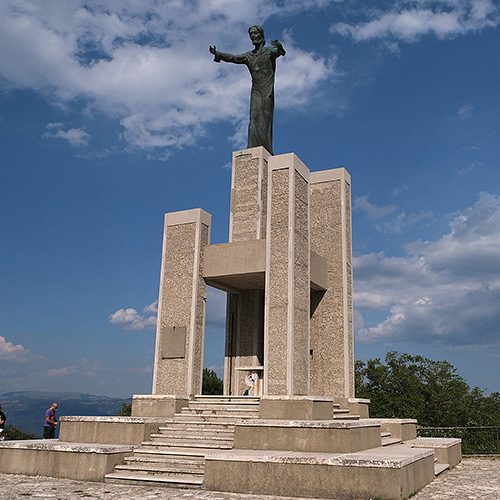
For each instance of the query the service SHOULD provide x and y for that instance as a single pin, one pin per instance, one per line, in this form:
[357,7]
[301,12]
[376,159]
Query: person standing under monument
[50,423]
[3,418]
[261,62]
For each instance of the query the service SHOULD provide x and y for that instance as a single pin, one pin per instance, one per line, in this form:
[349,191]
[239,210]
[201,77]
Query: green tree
[126,410]
[11,432]
[431,391]
[212,384]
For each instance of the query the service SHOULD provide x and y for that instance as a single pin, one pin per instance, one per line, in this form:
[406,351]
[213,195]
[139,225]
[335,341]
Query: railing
[475,440]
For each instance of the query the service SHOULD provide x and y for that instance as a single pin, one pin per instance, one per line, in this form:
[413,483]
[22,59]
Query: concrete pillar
[332,360]
[180,327]
[287,303]
[244,325]
[248,195]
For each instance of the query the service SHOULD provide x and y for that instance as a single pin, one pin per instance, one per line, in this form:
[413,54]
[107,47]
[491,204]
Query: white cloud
[74,136]
[445,291]
[465,111]
[12,352]
[470,168]
[151,308]
[146,64]
[372,211]
[130,319]
[408,20]
[397,224]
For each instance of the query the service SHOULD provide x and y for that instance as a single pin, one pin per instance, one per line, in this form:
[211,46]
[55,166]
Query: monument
[289,422]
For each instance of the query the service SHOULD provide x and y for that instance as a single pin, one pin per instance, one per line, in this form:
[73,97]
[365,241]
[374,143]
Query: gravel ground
[472,479]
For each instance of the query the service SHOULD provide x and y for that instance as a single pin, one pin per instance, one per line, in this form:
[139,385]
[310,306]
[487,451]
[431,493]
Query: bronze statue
[261,62]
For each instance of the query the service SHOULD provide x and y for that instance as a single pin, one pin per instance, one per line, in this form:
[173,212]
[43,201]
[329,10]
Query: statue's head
[256,34]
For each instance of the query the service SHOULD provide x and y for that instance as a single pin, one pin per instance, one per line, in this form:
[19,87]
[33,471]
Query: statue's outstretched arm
[223,56]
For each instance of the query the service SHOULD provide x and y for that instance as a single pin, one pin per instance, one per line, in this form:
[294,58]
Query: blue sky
[113,113]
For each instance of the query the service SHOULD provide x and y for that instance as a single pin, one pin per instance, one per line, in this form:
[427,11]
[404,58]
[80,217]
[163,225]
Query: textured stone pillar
[332,361]
[287,303]
[180,327]
[248,195]
[244,326]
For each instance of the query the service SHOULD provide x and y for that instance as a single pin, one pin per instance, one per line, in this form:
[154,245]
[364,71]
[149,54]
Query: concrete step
[439,468]
[227,399]
[389,441]
[187,481]
[346,416]
[175,452]
[385,434]
[223,404]
[162,468]
[180,443]
[157,459]
[197,425]
[220,410]
[192,434]
[211,418]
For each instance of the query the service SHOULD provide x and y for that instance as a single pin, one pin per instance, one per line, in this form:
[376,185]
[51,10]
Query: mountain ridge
[26,409]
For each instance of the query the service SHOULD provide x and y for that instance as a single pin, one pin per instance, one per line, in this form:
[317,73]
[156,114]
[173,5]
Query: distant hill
[26,409]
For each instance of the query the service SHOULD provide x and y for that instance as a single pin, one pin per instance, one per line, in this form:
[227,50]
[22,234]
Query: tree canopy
[431,391]
[212,384]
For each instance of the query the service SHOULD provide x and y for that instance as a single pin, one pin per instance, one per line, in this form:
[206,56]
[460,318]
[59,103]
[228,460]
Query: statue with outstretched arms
[261,62]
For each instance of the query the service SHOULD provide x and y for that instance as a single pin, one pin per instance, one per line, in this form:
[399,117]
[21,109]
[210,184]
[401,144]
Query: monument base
[389,473]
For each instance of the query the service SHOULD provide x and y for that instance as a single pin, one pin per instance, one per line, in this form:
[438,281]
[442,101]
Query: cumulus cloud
[130,319]
[408,20]
[146,64]
[12,352]
[445,291]
[74,136]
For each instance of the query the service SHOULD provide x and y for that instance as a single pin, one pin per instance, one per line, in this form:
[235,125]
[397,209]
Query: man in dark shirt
[3,418]
[50,423]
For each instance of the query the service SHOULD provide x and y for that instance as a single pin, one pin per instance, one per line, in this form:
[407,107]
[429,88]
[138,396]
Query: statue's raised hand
[278,45]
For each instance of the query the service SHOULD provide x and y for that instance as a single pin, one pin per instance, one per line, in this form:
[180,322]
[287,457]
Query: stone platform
[472,478]
[40,457]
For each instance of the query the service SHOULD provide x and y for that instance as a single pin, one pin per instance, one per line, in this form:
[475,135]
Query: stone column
[248,195]
[287,296]
[244,325]
[180,327]
[332,361]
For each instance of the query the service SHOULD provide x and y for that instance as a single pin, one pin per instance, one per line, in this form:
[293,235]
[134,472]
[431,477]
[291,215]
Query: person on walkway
[50,424]
[3,418]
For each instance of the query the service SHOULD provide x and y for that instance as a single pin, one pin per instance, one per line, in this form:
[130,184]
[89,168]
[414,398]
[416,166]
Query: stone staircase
[175,455]
[388,440]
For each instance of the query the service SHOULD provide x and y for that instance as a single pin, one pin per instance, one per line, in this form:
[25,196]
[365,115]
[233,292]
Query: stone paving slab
[472,479]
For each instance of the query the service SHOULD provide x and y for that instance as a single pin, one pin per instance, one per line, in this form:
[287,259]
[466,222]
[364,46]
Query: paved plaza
[472,479]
